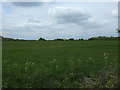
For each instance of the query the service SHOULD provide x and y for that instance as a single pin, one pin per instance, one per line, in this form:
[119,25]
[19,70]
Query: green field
[61,64]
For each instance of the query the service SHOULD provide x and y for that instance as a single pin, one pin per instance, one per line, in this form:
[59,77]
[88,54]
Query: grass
[59,64]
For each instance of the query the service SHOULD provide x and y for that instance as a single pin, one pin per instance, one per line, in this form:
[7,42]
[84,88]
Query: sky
[32,20]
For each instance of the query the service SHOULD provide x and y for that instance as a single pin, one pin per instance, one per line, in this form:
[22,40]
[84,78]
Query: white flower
[56,66]
[54,60]
[26,63]
[29,63]
[105,57]
[26,68]
[90,58]
[33,63]
[105,54]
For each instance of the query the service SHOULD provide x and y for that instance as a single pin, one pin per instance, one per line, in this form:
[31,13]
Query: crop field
[60,64]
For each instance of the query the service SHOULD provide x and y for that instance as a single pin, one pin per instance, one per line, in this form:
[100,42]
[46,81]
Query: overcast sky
[59,20]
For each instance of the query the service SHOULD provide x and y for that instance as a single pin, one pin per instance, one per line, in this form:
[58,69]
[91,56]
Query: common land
[60,64]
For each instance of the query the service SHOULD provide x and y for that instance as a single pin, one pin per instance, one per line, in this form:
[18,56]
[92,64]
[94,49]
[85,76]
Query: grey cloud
[67,15]
[27,4]
[76,17]
[34,21]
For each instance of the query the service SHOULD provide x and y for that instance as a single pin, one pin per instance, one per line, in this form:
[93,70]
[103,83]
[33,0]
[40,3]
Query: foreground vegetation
[50,64]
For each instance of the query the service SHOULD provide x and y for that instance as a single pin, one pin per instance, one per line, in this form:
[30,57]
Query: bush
[42,39]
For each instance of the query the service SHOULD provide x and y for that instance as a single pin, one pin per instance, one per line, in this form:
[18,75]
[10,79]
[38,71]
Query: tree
[118,31]
[58,39]
[71,39]
[80,39]
[42,39]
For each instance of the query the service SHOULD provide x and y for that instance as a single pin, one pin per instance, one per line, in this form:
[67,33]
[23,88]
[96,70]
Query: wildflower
[105,57]
[87,80]
[89,58]
[71,73]
[105,54]
[26,68]
[54,60]
[33,63]
[26,63]
[29,63]
[56,66]
[27,84]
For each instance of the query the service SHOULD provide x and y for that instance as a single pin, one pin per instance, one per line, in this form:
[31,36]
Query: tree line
[92,38]
[60,39]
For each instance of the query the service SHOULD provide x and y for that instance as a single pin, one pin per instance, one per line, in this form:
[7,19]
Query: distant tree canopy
[71,39]
[58,39]
[103,38]
[118,30]
[42,39]
[10,39]
[80,39]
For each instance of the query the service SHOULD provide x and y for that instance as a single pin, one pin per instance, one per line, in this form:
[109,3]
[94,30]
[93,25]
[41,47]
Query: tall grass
[50,64]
